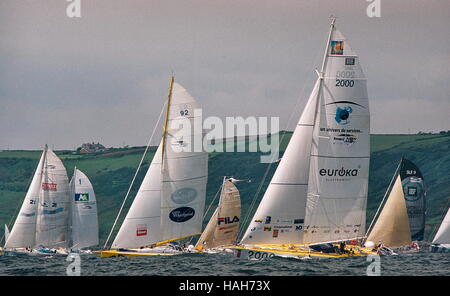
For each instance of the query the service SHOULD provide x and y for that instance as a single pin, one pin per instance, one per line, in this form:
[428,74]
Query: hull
[35,252]
[116,253]
[440,249]
[261,252]
[164,250]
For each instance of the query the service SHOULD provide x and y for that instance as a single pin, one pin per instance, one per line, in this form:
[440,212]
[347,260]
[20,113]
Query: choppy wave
[422,263]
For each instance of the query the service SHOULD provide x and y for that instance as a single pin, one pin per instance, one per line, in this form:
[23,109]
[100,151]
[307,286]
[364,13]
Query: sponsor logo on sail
[141,230]
[268,220]
[343,114]
[184,195]
[266,228]
[337,47]
[345,138]
[342,172]
[49,186]
[182,214]
[299,221]
[275,233]
[298,227]
[52,212]
[349,61]
[227,220]
[83,197]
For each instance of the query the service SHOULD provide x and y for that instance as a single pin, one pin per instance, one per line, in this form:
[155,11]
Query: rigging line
[209,207]
[314,61]
[385,197]
[135,175]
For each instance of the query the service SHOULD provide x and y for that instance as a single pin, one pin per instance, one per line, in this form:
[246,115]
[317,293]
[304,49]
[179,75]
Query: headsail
[53,206]
[414,190]
[392,225]
[283,204]
[23,233]
[141,226]
[170,202]
[443,234]
[84,221]
[223,227]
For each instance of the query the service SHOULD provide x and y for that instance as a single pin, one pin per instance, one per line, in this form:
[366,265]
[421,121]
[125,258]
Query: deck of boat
[296,251]
[116,253]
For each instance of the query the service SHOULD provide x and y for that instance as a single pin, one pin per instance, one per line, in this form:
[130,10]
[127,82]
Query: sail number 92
[344,83]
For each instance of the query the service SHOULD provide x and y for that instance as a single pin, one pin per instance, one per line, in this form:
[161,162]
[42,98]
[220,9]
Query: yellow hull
[114,253]
[295,251]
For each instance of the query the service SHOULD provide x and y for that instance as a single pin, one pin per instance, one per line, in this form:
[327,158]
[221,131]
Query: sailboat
[55,216]
[170,202]
[42,223]
[317,196]
[223,227]
[441,241]
[401,222]
[83,219]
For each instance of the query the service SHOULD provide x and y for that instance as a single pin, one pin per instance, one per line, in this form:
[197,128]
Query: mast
[325,56]
[38,201]
[166,121]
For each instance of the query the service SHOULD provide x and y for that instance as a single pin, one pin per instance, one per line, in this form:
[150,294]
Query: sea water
[422,263]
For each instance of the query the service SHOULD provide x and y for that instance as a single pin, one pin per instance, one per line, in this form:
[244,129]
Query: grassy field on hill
[112,173]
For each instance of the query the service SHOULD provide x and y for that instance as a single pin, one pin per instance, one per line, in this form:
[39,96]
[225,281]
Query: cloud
[104,77]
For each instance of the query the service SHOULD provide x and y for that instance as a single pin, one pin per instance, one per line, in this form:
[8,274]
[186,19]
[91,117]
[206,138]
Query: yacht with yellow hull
[260,252]
[170,202]
[316,200]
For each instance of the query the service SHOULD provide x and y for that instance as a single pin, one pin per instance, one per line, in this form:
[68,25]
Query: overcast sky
[104,77]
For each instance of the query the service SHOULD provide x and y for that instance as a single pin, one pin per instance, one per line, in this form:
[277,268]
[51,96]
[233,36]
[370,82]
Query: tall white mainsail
[443,234]
[53,205]
[170,202]
[184,170]
[319,190]
[84,221]
[23,233]
[338,178]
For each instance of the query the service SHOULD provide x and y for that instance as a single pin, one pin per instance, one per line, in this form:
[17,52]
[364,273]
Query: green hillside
[111,174]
